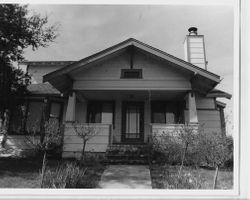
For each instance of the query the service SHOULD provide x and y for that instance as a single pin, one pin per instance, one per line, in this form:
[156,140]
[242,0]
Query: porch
[124,117]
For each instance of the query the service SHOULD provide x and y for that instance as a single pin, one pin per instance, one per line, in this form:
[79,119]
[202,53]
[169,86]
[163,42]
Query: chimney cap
[192,31]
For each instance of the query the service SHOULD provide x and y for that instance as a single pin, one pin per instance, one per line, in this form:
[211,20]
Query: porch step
[128,154]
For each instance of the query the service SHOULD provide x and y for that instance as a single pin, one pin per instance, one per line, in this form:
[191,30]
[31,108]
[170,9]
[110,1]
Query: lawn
[165,177]
[24,173]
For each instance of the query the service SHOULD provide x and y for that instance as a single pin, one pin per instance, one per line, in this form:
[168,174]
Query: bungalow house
[127,92]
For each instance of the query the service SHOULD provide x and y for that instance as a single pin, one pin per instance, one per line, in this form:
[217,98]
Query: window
[55,113]
[131,73]
[34,116]
[167,112]
[100,112]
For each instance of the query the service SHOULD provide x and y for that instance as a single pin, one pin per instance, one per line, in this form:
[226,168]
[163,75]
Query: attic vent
[131,73]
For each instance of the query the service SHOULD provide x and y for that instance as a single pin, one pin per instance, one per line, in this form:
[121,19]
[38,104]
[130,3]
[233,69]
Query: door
[132,122]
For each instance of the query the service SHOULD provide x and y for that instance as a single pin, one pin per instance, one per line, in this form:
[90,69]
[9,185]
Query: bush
[68,175]
[230,159]
[213,149]
[170,146]
[166,149]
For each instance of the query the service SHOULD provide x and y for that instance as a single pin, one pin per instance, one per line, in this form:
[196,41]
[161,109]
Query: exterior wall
[210,120]
[73,144]
[106,75]
[204,102]
[208,115]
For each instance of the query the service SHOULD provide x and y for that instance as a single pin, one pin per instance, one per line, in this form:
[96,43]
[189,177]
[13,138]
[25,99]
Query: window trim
[180,110]
[101,103]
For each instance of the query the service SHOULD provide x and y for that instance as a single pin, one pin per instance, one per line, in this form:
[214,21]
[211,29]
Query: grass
[165,177]
[25,173]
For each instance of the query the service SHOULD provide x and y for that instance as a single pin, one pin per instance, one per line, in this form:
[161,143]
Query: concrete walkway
[126,176]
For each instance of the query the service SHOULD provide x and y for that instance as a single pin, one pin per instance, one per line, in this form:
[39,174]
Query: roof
[138,44]
[46,62]
[219,93]
[42,89]
[221,104]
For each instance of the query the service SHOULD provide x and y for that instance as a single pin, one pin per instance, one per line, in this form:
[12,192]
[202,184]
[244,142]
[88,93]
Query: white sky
[87,29]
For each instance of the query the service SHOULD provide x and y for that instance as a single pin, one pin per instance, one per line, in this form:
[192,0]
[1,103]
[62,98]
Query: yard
[166,177]
[24,173]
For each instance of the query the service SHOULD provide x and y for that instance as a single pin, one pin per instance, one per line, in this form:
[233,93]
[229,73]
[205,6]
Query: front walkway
[126,176]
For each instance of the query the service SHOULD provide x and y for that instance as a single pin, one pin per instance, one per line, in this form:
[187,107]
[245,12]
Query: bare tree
[214,149]
[86,132]
[52,138]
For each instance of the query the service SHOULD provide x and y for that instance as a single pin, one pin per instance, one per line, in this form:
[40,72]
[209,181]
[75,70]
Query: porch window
[167,112]
[34,116]
[100,112]
[55,113]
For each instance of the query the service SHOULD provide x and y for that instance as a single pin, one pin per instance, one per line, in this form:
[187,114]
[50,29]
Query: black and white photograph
[137,97]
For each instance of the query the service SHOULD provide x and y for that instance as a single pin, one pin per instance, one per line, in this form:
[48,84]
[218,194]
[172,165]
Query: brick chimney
[194,48]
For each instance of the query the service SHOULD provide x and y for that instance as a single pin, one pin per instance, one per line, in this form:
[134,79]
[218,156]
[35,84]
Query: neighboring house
[127,91]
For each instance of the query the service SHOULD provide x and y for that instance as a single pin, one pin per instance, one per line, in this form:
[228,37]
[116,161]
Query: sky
[88,29]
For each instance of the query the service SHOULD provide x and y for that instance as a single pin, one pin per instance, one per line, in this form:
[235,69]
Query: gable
[202,80]
[111,68]
[107,74]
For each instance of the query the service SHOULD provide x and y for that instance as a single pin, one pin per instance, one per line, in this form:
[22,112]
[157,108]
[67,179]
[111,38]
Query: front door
[132,122]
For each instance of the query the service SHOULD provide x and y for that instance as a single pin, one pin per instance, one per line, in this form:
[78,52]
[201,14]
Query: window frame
[179,111]
[101,105]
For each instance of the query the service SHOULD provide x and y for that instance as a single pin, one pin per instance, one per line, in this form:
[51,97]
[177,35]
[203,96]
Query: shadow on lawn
[25,172]
[165,177]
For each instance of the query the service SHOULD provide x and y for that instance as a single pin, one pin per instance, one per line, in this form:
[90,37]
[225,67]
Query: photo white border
[239,190]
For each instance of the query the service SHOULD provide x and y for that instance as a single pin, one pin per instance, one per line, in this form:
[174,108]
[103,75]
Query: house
[127,92]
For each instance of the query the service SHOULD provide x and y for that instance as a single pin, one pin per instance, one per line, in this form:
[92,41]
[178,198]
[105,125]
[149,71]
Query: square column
[71,107]
[192,112]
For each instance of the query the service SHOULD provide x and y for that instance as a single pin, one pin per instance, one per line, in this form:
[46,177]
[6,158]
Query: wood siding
[204,102]
[73,144]
[107,75]
[210,120]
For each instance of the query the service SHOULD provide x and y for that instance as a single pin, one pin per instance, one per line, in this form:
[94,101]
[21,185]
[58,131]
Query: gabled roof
[218,93]
[42,89]
[49,63]
[133,42]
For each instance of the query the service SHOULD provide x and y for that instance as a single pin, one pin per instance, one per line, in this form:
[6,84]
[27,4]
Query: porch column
[70,112]
[193,118]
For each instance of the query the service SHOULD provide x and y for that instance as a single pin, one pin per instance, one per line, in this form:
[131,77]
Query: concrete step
[127,154]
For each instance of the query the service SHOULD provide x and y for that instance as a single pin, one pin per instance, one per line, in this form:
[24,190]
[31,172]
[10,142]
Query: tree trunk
[43,168]
[83,150]
[215,177]
[5,126]
[182,159]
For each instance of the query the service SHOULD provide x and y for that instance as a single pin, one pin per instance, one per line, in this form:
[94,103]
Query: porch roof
[42,89]
[219,93]
[62,80]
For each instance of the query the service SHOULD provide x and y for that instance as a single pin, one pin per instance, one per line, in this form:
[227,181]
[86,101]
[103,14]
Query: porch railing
[172,129]
[98,143]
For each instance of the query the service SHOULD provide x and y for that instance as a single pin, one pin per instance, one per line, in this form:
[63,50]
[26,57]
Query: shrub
[213,148]
[177,146]
[68,175]
[230,159]
[165,148]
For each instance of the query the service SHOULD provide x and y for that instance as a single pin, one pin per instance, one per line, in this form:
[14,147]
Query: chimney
[194,48]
